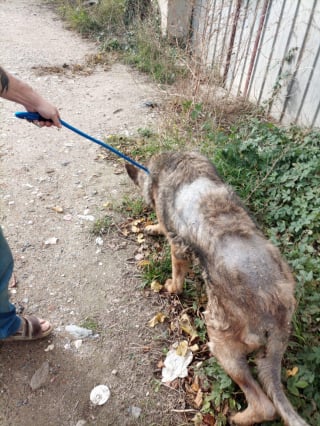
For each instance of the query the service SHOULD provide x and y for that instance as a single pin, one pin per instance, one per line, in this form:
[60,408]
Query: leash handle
[35,116]
[31,116]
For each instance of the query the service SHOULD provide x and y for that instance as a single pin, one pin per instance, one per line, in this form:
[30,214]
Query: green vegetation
[102,226]
[275,170]
[90,324]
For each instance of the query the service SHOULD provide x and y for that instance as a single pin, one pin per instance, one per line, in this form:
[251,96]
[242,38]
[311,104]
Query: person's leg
[13,327]
[9,321]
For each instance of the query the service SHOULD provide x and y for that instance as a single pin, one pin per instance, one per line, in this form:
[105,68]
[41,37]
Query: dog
[250,288]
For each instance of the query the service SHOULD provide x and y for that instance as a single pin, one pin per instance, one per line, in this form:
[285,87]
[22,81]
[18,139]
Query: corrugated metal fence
[265,50]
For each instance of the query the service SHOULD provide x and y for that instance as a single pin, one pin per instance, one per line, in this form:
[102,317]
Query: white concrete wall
[273,59]
[175,18]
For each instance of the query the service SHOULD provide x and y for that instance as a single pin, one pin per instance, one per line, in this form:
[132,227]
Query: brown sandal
[30,329]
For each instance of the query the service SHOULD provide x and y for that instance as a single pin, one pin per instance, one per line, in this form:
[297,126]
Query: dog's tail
[269,370]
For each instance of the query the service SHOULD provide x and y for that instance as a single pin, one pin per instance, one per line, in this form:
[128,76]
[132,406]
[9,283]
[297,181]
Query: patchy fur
[249,286]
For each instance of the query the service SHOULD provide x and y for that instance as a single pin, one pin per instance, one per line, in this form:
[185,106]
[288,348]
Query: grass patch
[129,29]
[90,324]
[97,21]
[103,225]
[131,206]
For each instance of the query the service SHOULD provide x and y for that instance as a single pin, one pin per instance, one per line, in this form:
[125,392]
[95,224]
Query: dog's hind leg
[231,355]
[269,372]
[180,267]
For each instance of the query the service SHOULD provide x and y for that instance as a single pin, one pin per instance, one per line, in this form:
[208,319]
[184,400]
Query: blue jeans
[9,321]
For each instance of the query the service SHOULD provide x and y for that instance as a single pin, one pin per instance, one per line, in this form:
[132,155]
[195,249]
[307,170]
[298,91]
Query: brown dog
[250,288]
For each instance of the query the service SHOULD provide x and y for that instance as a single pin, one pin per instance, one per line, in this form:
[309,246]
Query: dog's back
[243,270]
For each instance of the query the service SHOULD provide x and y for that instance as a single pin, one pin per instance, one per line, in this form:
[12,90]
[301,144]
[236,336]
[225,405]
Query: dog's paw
[171,287]
[249,416]
[153,230]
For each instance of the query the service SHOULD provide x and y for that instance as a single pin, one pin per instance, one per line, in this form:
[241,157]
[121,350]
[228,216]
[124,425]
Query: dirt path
[74,279]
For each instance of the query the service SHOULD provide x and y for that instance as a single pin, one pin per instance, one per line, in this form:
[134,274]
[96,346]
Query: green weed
[136,37]
[103,225]
[96,21]
[131,206]
[158,266]
[90,324]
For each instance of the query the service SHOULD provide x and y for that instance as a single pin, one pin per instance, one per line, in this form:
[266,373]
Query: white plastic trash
[175,365]
[100,395]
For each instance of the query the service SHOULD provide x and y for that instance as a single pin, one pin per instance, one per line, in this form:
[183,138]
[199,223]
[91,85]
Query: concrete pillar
[175,18]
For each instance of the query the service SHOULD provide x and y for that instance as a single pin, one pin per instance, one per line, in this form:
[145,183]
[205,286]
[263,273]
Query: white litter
[100,395]
[51,241]
[78,332]
[86,217]
[175,365]
[99,241]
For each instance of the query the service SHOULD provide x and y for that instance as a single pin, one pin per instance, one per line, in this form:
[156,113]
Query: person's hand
[48,111]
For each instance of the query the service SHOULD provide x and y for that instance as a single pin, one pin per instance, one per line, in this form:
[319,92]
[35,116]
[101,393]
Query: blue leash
[34,116]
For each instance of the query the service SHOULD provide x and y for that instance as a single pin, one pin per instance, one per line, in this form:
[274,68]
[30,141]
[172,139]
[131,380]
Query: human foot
[32,328]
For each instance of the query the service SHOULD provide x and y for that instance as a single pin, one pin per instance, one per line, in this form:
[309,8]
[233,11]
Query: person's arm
[16,90]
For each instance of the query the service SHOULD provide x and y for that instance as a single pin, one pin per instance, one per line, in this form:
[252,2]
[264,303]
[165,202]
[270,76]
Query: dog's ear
[132,172]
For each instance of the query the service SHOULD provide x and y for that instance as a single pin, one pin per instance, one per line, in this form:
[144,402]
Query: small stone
[86,217]
[77,343]
[51,241]
[49,348]
[40,376]
[99,241]
[135,412]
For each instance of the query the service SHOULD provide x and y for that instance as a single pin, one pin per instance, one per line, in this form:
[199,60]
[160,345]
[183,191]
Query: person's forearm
[16,90]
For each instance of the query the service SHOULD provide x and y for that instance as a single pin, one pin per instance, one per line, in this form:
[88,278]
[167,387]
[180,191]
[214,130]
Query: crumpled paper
[176,365]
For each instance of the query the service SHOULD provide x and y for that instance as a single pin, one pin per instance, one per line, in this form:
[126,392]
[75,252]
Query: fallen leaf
[197,419]
[194,348]
[160,364]
[140,238]
[292,372]
[199,398]
[182,348]
[186,326]
[195,385]
[125,232]
[158,318]
[143,263]
[208,420]
[57,209]
[156,286]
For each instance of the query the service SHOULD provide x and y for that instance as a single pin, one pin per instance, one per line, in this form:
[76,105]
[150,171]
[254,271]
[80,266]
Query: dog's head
[143,181]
